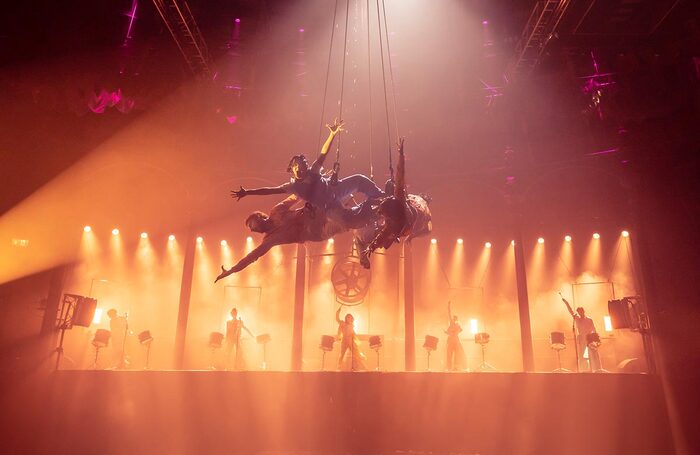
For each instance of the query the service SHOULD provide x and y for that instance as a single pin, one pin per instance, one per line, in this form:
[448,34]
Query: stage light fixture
[87,229]
[625,234]
[171,237]
[474,326]
[540,240]
[487,245]
[460,241]
[567,238]
[512,243]
[144,235]
[115,231]
[249,239]
[433,241]
[224,243]
[596,236]
[200,239]
[237,20]
[331,241]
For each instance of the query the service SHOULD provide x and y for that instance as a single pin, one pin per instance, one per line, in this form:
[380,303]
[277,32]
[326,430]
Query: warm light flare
[331,241]
[97,318]
[540,240]
[625,234]
[249,239]
[460,241]
[474,326]
[115,231]
[144,235]
[433,241]
[487,245]
[596,236]
[87,229]
[171,237]
[607,322]
[200,240]
[567,238]
[224,243]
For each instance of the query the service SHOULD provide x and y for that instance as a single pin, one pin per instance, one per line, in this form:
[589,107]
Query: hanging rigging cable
[328,71]
[391,71]
[369,86]
[336,165]
[386,101]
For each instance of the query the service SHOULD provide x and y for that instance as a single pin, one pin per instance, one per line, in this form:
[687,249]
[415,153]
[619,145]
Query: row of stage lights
[540,240]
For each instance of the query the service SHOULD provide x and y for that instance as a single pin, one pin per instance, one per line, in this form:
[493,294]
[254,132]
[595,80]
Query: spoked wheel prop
[350,281]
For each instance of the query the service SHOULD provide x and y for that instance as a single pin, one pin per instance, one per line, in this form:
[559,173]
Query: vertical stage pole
[49,331]
[409,320]
[299,288]
[523,305]
[183,312]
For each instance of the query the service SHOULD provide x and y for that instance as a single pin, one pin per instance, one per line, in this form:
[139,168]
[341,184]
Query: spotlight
[487,244]
[144,235]
[512,243]
[567,238]
[87,229]
[460,241]
[237,21]
[596,236]
[625,234]
[97,318]
[540,240]
[171,237]
[433,241]
[200,239]
[301,30]
[223,243]
[115,231]
[331,241]
[607,323]
[249,239]
[485,22]
[474,326]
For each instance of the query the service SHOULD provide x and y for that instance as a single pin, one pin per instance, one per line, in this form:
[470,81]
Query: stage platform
[173,412]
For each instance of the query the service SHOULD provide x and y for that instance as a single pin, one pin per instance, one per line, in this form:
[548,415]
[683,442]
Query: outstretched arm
[246,261]
[246,329]
[449,312]
[568,307]
[337,315]
[400,187]
[264,191]
[334,129]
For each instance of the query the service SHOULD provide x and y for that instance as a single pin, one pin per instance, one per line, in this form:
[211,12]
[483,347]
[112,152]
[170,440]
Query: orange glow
[487,245]
[540,240]
[607,323]
[115,231]
[596,236]
[474,326]
[433,241]
[512,243]
[460,241]
[87,229]
[171,237]
[331,241]
[200,239]
[224,243]
[97,318]
[567,238]
[249,239]
[625,234]
[144,235]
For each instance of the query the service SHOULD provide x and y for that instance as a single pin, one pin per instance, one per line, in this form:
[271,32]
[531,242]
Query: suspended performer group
[321,205]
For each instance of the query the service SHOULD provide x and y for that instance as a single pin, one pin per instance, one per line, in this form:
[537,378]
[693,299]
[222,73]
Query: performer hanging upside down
[405,215]
[285,225]
[348,341]
[311,185]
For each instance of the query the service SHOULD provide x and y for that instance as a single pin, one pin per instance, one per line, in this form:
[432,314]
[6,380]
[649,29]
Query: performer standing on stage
[233,340]
[119,327]
[455,351]
[348,341]
[584,326]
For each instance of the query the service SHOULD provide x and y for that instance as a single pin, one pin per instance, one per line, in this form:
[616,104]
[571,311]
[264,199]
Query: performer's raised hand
[239,194]
[337,126]
[400,145]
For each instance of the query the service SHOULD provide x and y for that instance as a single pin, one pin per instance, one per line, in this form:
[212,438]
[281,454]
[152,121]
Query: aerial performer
[285,225]
[404,215]
[310,184]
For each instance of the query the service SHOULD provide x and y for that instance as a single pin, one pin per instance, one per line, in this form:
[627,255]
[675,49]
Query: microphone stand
[122,362]
[573,331]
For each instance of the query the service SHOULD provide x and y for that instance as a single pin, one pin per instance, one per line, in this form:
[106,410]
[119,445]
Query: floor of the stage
[334,412]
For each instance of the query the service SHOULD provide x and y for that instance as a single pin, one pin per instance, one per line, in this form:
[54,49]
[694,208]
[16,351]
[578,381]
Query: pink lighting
[237,20]
[484,22]
[301,30]
[231,119]
[131,15]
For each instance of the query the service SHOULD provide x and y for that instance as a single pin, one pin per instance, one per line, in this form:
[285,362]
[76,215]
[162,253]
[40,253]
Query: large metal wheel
[350,281]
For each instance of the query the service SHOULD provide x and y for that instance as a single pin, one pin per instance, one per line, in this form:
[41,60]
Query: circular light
[237,21]
[540,240]
[115,231]
[487,244]
[625,234]
[200,239]
[144,235]
[460,241]
[249,239]
[87,229]
[171,237]
[567,238]
[512,243]
[596,236]
[223,243]
[331,241]
[433,241]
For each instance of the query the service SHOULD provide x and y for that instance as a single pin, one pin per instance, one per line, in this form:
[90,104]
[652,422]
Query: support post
[523,305]
[48,334]
[409,313]
[299,288]
[183,312]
